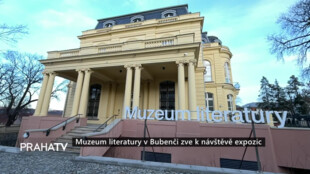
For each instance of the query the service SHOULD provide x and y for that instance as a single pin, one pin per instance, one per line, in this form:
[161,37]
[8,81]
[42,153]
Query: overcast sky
[243,26]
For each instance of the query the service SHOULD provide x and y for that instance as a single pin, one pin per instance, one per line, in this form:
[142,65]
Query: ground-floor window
[167,96]
[237,164]
[93,101]
[157,157]
[209,101]
[230,102]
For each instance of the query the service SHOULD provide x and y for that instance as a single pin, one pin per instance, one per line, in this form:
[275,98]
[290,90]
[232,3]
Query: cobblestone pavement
[59,162]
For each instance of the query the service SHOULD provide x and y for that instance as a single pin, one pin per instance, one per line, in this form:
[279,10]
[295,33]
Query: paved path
[59,162]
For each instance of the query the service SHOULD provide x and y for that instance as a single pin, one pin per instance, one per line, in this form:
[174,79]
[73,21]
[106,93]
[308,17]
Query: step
[70,137]
[86,128]
[80,131]
[76,134]
[93,125]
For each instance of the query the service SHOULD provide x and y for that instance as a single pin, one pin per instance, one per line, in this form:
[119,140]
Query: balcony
[125,46]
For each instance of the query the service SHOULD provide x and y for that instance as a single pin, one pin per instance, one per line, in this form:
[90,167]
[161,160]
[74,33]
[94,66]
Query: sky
[241,25]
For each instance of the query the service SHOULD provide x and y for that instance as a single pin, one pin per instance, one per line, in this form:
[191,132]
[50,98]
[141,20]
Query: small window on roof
[137,18]
[168,13]
[108,23]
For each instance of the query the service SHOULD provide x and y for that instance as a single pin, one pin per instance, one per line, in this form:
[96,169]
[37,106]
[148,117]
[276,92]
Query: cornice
[194,45]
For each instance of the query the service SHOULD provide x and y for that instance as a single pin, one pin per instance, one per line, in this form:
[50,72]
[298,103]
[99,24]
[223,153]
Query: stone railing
[124,46]
[159,43]
[68,54]
[110,49]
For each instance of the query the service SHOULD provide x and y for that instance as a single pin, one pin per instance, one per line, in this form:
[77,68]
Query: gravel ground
[60,162]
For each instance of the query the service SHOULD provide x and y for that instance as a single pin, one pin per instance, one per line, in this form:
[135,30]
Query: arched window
[208,71]
[209,101]
[108,23]
[230,102]
[137,18]
[227,73]
[93,100]
[168,13]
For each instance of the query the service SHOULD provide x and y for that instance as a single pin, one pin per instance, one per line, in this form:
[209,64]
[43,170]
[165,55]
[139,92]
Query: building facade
[158,59]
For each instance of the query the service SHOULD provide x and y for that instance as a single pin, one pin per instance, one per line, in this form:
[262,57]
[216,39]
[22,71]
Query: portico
[128,85]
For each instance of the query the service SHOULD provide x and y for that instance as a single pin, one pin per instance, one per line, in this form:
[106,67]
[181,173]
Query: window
[207,73]
[230,102]
[204,40]
[168,13]
[137,18]
[167,96]
[227,73]
[157,157]
[236,164]
[93,101]
[209,101]
[108,24]
[131,101]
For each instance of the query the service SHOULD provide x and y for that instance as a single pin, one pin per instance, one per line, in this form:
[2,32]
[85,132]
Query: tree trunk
[11,119]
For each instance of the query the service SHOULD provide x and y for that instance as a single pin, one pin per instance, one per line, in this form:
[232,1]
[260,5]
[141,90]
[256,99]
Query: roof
[210,39]
[251,105]
[147,15]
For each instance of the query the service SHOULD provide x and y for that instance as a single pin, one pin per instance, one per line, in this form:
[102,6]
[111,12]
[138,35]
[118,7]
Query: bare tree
[23,75]
[20,81]
[11,34]
[294,38]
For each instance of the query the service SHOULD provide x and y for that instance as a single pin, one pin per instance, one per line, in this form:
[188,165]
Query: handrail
[64,127]
[65,122]
[105,123]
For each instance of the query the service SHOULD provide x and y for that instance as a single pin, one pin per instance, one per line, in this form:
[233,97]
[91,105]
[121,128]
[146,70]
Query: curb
[9,149]
[162,166]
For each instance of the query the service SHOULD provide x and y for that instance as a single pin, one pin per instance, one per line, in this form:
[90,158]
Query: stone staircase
[74,133]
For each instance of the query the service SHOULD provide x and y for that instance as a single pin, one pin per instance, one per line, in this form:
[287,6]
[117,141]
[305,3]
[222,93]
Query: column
[181,85]
[41,96]
[112,100]
[137,84]
[192,88]
[106,96]
[145,95]
[47,95]
[77,94]
[85,93]
[128,85]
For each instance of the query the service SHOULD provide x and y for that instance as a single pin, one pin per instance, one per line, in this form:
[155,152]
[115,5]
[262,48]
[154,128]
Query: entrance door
[167,96]
[93,101]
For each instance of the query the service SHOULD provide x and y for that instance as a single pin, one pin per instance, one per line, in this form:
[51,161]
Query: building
[157,59]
